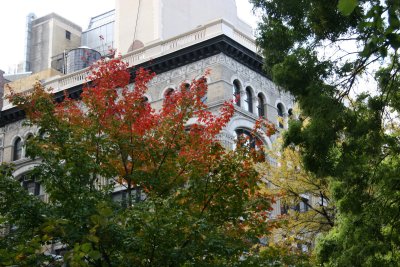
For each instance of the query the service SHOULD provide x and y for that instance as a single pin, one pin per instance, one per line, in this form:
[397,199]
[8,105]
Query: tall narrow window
[29,137]
[204,97]
[67,35]
[17,149]
[236,92]
[281,113]
[168,95]
[261,106]
[186,86]
[290,113]
[249,100]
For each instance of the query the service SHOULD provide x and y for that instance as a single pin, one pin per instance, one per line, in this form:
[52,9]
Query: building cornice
[216,45]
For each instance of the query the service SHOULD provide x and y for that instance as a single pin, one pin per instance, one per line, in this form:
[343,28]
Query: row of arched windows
[248,103]
[186,86]
[248,100]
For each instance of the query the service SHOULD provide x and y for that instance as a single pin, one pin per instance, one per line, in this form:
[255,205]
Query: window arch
[244,133]
[236,92]
[261,105]
[249,100]
[17,149]
[204,80]
[290,113]
[185,86]
[281,114]
[168,95]
[42,134]
[168,92]
[254,143]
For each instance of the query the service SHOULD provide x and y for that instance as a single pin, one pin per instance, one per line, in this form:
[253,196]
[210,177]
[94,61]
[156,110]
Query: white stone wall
[149,21]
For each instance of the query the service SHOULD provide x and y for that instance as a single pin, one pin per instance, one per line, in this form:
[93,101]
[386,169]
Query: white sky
[13,16]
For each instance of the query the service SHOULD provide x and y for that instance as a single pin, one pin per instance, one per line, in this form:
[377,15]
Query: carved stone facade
[224,71]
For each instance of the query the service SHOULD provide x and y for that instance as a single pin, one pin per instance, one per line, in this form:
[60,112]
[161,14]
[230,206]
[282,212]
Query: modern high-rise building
[100,33]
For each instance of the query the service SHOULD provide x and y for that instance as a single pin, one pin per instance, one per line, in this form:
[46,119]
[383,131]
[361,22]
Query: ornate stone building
[219,41]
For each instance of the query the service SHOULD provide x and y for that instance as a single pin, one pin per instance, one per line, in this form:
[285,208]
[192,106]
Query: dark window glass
[17,149]
[281,115]
[261,106]
[204,98]
[290,113]
[30,136]
[186,86]
[67,35]
[236,92]
[31,185]
[168,93]
[303,205]
[249,100]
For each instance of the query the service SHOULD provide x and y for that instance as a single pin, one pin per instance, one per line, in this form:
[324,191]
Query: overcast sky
[13,16]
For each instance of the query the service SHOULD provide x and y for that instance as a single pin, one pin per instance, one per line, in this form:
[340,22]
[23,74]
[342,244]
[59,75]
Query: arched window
[28,137]
[30,184]
[281,114]
[249,100]
[236,92]
[186,86]
[247,137]
[168,93]
[204,81]
[290,113]
[261,106]
[42,134]
[17,149]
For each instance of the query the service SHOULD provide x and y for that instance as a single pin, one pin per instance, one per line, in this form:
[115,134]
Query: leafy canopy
[184,200]
[340,60]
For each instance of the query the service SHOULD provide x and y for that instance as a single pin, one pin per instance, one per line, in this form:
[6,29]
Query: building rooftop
[57,17]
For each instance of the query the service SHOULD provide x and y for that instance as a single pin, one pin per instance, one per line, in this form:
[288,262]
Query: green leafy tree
[188,201]
[340,60]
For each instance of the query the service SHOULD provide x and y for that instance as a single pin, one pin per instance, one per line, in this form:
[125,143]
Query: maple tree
[186,200]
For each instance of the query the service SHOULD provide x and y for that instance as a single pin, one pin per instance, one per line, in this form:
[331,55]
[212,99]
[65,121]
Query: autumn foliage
[184,199]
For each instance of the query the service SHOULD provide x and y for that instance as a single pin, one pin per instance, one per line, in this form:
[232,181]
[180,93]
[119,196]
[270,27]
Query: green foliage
[188,201]
[347,6]
[321,53]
